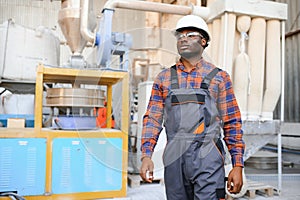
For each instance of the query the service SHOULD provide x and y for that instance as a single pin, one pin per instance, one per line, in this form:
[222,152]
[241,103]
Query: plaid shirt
[220,88]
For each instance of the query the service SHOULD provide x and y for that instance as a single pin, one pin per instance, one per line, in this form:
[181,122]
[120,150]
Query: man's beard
[188,55]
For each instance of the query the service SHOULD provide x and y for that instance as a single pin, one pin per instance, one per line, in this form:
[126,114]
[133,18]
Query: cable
[12,195]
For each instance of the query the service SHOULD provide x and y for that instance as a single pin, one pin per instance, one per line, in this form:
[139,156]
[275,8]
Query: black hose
[12,195]
[283,150]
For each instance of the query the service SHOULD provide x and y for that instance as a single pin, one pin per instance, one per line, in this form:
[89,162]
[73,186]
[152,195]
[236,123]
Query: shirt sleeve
[152,120]
[231,118]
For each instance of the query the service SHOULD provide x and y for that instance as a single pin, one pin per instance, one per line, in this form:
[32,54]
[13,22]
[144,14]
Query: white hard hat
[193,21]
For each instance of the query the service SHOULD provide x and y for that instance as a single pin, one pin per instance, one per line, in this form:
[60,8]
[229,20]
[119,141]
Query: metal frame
[66,75]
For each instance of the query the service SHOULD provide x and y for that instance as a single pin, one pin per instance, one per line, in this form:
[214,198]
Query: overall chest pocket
[187,110]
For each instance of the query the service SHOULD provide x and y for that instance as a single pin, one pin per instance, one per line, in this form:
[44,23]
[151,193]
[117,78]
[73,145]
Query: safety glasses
[189,35]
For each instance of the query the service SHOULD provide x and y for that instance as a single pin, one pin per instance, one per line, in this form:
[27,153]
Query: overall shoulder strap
[206,81]
[174,78]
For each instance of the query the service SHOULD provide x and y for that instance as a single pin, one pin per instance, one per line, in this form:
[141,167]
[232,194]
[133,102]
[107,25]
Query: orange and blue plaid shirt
[220,88]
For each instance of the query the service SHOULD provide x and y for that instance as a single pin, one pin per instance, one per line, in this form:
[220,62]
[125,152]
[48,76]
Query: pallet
[134,181]
[259,188]
[255,188]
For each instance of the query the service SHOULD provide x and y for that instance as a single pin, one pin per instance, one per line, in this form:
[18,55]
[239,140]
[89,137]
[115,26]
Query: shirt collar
[198,65]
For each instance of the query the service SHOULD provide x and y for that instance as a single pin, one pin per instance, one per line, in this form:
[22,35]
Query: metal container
[263,160]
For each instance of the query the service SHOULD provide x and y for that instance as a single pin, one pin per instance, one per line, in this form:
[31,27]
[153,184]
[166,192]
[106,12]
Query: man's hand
[235,180]
[147,167]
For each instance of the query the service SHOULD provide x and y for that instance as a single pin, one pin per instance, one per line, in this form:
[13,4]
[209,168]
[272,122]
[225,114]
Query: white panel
[24,49]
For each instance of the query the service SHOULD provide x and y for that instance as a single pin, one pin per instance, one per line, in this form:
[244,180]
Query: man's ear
[203,42]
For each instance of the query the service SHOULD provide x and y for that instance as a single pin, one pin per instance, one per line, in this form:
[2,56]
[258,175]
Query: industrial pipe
[85,32]
[256,52]
[136,5]
[158,7]
[241,70]
[272,70]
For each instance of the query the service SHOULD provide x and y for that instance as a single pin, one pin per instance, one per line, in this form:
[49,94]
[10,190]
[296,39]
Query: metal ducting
[69,19]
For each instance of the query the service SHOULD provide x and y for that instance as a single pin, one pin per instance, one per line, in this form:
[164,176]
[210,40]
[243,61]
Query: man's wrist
[241,167]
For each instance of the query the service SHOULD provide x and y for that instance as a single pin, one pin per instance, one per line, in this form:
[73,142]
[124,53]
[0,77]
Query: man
[195,100]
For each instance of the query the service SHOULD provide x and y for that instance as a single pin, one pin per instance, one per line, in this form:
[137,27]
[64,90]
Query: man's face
[189,43]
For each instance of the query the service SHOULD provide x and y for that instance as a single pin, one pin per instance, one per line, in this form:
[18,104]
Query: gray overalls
[194,154]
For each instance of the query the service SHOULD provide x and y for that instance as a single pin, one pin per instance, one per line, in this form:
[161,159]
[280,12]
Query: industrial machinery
[78,104]
[64,155]
[70,158]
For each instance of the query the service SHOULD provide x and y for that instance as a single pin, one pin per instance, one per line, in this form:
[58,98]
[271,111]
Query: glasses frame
[188,35]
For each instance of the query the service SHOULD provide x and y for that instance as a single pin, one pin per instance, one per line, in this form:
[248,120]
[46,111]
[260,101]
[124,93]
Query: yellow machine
[79,164]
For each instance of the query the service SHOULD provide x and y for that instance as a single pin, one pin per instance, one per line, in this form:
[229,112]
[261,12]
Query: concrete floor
[290,189]
[290,184]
